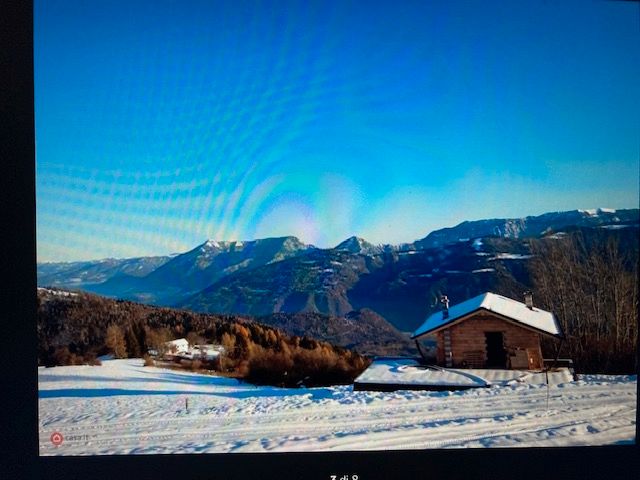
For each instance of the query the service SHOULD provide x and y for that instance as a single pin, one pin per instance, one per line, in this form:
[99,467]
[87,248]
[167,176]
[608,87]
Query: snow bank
[406,371]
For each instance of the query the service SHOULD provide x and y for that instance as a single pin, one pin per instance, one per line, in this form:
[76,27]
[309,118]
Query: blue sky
[160,124]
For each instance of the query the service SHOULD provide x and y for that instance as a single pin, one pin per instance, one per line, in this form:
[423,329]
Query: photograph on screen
[283,226]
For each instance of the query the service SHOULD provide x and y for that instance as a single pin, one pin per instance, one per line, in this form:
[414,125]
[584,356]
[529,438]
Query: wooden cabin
[490,331]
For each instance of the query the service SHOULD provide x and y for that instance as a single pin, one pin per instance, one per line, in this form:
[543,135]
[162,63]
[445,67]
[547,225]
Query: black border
[18,430]
[18,395]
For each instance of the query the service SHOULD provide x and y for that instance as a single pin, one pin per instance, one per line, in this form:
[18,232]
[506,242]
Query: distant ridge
[198,268]
[283,274]
[531,226]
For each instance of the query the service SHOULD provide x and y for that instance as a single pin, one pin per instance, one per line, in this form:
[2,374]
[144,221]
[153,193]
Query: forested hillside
[589,279]
[75,328]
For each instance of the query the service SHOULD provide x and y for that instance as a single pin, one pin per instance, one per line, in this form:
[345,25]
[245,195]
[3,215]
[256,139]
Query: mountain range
[398,283]
[190,272]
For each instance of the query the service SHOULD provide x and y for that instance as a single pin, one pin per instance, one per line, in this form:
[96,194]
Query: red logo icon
[57,438]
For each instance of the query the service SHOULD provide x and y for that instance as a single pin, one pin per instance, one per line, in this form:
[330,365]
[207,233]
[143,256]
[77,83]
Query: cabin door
[496,354]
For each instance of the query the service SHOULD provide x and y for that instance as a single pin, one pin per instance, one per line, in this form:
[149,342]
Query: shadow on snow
[159,378]
[316,393]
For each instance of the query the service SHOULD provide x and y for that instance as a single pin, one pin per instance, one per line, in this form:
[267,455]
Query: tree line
[589,279]
[78,329]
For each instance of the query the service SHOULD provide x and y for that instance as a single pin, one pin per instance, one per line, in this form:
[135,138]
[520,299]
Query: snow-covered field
[122,407]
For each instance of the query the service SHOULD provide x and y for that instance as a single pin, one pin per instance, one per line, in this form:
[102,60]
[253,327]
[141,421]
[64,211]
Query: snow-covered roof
[506,307]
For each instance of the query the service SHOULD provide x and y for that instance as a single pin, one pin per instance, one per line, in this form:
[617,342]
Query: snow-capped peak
[355,241]
[594,212]
[212,248]
[352,243]
[359,245]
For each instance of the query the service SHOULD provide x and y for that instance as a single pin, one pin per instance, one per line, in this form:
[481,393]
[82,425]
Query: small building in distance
[206,351]
[181,345]
[490,331]
[180,348]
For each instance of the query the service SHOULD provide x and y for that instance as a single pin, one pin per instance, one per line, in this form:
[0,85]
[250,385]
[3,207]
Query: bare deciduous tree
[115,341]
[592,286]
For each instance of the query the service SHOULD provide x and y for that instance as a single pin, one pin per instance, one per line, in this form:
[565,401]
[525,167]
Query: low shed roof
[536,318]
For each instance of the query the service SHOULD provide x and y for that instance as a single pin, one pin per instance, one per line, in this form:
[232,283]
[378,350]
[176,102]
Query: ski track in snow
[124,408]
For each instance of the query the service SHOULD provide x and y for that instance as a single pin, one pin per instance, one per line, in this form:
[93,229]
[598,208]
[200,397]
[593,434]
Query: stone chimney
[445,306]
[528,299]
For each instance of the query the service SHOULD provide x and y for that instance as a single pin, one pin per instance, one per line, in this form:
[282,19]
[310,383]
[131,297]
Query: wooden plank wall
[468,336]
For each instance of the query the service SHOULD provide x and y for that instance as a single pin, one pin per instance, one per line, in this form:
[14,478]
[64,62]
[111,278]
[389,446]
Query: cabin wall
[440,348]
[468,341]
